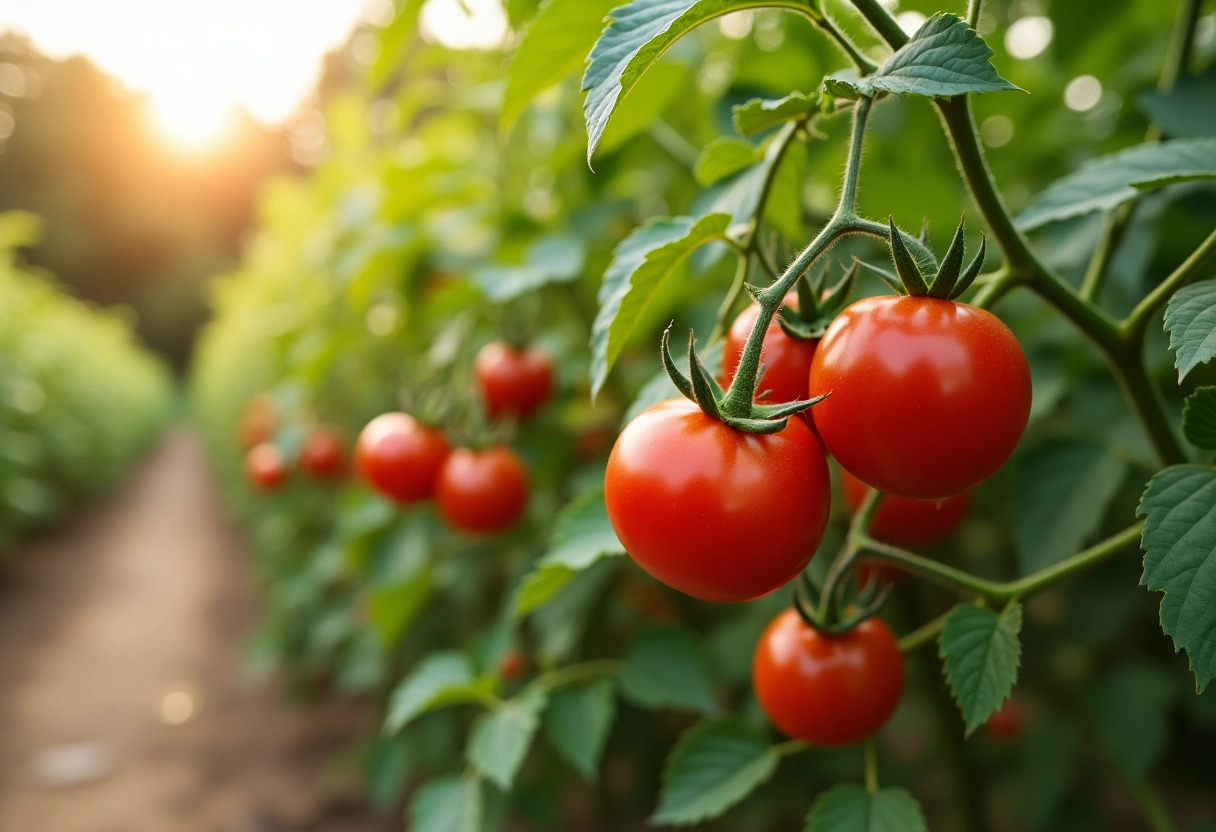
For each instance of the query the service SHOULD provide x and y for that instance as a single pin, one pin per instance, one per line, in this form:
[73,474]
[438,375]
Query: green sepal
[677,378]
[886,276]
[972,271]
[786,409]
[805,327]
[808,304]
[947,273]
[706,392]
[909,273]
[761,426]
[923,237]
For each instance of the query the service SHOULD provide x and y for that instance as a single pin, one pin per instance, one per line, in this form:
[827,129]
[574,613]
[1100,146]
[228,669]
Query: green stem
[1001,284]
[852,169]
[869,751]
[922,635]
[1182,46]
[1151,806]
[974,9]
[727,309]
[1132,329]
[572,673]
[878,17]
[864,65]
[848,552]
[1112,235]
[790,747]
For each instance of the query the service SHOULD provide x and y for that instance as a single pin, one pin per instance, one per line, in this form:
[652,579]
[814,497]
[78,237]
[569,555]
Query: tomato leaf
[448,804]
[665,667]
[850,808]
[981,652]
[1199,418]
[558,626]
[582,536]
[640,264]
[711,768]
[1062,489]
[760,114]
[554,46]
[945,57]
[1179,542]
[439,680]
[1108,181]
[577,723]
[1131,710]
[556,258]
[1190,319]
[1186,110]
[393,608]
[722,157]
[500,738]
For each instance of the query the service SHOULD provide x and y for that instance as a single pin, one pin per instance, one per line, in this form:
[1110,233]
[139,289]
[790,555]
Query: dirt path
[120,655]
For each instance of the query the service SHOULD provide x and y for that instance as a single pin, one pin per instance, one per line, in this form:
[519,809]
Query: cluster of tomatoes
[925,398]
[478,490]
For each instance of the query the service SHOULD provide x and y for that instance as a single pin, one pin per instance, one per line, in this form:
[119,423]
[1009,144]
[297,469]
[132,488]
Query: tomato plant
[482,491]
[512,381]
[401,457]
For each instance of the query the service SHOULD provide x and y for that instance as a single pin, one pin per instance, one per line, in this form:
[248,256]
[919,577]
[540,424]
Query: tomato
[928,397]
[400,457]
[512,664]
[323,455]
[786,360]
[827,690]
[714,512]
[482,491]
[512,382]
[1005,724]
[903,522]
[264,467]
[257,421]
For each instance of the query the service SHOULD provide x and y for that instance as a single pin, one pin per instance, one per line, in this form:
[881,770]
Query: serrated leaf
[711,768]
[439,680]
[1131,709]
[945,57]
[981,652]
[760,114]
[577,723]
[1108,181]
[1199,418]
[850,808]
[722,157]
[640,264]
[448,804]
[1190,319]
[665,667]
[1063,487]
[553,47]
[582,536]
[1179,542]
[500,738]
[556,258]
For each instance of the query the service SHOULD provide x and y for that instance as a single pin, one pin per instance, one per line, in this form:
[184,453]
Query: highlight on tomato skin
[400,457]
[901,521]
[786,360]
[265,468]
[513,382]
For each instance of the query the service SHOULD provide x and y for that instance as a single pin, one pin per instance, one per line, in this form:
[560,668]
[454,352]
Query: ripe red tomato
[264,467]
[824,689]
[482,491]
[714,512]
[903,522]
[512,664]
[928,397]
[1005,724]
[323,455]
[400,457]
[513,382]
[257,421]
[786,360]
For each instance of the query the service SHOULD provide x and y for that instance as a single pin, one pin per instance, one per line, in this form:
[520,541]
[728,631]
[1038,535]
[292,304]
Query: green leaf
[981,652]
[554,46]
[393,608]
[1063,487]
[1179,542]
[448,804]
[577,723]
[1190,319]
[439,680]
[722,157]
[1199,418]
[500,738]
[1186,110]
[1108,181]
[665,667]
[711,768]
[945,57]
[658,88]
[850,808]
[1131,709]
[760,114]
[640,264]
[393,39]
[582,536]
[557,258]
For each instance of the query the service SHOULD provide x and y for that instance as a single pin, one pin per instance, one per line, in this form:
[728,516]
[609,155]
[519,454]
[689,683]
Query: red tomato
[1005,724]
[482,491]
[714,512]
[823,689]
[257,421]
[928,397]
[323,455]
[512,664]
[513,382]
[400,457]
[264,467]
[903,522]
[786,360]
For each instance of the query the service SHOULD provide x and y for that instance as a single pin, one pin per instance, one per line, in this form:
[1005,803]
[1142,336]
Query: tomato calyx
[843,606]
[817,304]
[950,280]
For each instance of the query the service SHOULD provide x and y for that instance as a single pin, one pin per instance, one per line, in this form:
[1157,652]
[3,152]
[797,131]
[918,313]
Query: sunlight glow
[1028,37]
[465,24]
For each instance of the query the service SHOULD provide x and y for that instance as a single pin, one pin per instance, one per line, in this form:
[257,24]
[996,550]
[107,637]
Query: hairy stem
[1132,329]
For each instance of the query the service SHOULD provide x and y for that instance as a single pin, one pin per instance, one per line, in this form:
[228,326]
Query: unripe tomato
[827,690]
[264,467]
[928,397]
[257,421]
[513,382]
[714,512]
[1005,724]
[482,491]
[400,457]
[323,455]
[786,360]
[904,522]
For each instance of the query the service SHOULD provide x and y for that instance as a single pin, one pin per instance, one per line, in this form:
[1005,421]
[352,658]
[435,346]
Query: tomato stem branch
[869,751]
[571,673]
[1133,327]
[924,634]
